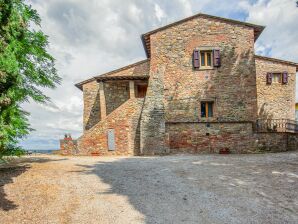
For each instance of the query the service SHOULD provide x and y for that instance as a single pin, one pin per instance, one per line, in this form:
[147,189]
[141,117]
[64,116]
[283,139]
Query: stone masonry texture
[232,86]
[168,119]
[91,115]
[275,101]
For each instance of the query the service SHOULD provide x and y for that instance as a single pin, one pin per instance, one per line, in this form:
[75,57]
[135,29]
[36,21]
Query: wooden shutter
[269,78]
[216,58]
[196,59]
[285,78]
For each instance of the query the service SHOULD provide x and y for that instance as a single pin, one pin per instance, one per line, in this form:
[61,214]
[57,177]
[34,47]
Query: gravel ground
[171,189]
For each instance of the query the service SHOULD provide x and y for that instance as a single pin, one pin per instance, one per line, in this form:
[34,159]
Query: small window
[206,59]
[207,109]
[141,90]
[276,77]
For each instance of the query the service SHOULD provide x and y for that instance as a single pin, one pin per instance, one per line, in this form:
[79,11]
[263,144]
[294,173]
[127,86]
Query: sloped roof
[278,61]
[146,37]
[111,75]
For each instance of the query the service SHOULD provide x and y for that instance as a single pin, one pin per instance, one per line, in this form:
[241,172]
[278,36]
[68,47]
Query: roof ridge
[258,28]
[123,68]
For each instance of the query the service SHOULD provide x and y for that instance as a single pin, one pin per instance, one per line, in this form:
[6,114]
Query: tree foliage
[25,68]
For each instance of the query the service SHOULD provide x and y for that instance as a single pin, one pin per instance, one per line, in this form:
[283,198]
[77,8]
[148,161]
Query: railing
[277,125]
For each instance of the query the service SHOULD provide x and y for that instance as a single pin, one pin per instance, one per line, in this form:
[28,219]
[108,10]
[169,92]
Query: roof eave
[144,45]
[278,61]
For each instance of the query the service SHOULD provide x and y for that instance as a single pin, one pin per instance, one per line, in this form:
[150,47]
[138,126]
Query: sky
[88,38]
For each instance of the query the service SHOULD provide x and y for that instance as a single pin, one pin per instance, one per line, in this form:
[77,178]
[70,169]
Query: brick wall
[275,101]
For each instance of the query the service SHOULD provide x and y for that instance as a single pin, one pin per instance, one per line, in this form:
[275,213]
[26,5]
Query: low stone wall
[271,142]
[237,137]
[194,137]
[292,141]
[68,147]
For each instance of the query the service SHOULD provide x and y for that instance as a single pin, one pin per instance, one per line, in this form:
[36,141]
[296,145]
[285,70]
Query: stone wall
[91,115]
[232,86]
[292,141]
[271,142]
[124,121]
[175,89]
[152,125]
[193,137]
[275,101]
[68,147]
[116,93]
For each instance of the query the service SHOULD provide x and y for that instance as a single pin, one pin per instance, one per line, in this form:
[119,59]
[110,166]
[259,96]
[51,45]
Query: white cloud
[160,14]
[88,38]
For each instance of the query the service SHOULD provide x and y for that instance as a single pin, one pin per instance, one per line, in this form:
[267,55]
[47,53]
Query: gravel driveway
[171,189]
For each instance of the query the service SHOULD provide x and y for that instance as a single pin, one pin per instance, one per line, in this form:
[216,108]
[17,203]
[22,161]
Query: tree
[25,68]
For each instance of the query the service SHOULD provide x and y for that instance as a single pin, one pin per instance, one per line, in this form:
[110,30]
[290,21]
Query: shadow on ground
[204,189]
[12,170]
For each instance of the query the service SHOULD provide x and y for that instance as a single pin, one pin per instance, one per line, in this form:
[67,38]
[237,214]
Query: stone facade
[169,118]
[277,100]
[91,105]
[232,86]
[116,93]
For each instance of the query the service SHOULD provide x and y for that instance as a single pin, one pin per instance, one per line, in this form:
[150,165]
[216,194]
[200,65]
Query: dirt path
[173,189]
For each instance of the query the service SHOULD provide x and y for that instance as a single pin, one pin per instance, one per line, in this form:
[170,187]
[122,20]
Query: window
[141,90]
[207,109]
[206,59]
[276,77]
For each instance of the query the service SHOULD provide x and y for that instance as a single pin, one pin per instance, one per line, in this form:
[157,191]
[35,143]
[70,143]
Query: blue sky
[88,38]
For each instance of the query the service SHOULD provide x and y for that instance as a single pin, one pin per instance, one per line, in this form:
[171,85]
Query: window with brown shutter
[277,77]
[206,59]
[269,78]
[285,78]
[196,59]
[216,58]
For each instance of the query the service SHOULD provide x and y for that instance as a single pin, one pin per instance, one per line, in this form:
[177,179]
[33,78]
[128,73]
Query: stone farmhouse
[201,89]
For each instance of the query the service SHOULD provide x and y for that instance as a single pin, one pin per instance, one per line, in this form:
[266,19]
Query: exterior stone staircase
[124,120]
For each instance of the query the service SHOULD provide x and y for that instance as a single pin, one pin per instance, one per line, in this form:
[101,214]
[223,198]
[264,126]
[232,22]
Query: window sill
[209,119]
[204,69]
